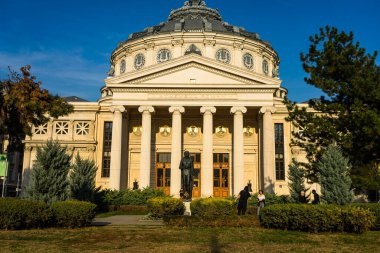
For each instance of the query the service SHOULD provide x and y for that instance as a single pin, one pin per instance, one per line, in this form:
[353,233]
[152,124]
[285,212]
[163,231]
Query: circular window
[248,61]
[163,55]
[223,55]
[122,66]
[139,61]
[265,67]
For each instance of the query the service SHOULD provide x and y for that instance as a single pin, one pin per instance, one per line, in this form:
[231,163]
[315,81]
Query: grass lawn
[164,239]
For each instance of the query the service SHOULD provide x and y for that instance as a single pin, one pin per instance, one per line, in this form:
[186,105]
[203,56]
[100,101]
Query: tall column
[175,174]
[268,155]
[207,159]
[238,153]
[145,145]
[117,126]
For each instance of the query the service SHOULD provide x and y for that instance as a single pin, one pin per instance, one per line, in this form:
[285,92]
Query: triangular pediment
[191,69]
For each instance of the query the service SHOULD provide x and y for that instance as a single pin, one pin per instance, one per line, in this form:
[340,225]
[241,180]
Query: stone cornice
[191,90]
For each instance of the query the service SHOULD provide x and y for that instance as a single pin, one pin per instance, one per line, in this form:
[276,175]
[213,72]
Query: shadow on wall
[269,185]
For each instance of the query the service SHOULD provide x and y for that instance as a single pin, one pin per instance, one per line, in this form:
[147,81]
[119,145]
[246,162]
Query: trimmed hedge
[27,214]
[213,207]
[73,214]
[317,218]
[270,199]
[129,209]
[128,196]
[24,214]
[164,206]
[375,209]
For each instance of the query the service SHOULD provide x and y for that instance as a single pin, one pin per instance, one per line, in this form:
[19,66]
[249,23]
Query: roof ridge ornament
[195,3]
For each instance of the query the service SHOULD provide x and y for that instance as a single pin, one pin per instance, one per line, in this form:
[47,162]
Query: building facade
[192,83]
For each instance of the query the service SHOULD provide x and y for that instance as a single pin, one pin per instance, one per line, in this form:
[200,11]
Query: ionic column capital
[267,109]
[146,108]
[117,108]
[205,109]
[236,109]
[179,109]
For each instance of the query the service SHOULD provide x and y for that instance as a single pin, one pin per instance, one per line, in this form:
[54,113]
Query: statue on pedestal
[187,172]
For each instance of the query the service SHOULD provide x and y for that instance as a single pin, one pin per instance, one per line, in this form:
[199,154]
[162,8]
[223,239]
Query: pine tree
[334,176]
[50,174]
[296,177]
[82,179]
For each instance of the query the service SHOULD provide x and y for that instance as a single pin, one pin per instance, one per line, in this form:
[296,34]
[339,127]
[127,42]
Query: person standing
[316,198]
[260,201]
[243,197]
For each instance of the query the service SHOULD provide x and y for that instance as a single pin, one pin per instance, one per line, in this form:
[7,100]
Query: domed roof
[195,16]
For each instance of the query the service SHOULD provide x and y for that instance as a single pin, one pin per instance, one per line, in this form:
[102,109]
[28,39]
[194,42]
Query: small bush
[73,214]
[375,209]
[24,214]
[127,197]
[213,207]
[270,199]
[165,206]
[317,218]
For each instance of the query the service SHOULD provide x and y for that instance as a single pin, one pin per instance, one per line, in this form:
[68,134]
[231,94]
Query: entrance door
[197,175]
[221,175]
[163,168]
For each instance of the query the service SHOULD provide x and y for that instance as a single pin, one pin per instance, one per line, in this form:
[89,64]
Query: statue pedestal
[187,209]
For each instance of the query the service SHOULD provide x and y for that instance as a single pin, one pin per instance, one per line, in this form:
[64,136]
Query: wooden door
[196,157]
[221,175]
[163,171]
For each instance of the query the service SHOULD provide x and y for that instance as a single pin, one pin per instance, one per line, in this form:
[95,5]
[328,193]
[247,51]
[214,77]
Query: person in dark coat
[302,198]
[243,197]
[316,198]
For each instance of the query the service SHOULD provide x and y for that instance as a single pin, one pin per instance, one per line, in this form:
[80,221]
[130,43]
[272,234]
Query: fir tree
[296,177]
[334,176]
[50,174]
[82,179]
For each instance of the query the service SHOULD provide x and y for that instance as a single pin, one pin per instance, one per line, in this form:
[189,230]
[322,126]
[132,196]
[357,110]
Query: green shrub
[127,197]
[213,207]
[24,214]
[73,214]
[129,209]
[270,199]
[165,206]
[375,209]
[317,218]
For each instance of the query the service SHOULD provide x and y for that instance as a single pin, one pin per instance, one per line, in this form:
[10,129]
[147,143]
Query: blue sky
[68,42]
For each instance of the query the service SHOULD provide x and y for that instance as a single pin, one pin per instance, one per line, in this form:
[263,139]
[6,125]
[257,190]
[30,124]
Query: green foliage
[350,115]
[82,179]
[375,209]
[73,214]
[296,178]
[270,199]
[128,196]
[165,206]
[334,177]
[213,207]
[317,218]
[24,214]
[50,174]
[23,103]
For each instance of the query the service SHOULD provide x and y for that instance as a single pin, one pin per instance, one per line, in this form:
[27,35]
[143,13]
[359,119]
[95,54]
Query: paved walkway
[126,220]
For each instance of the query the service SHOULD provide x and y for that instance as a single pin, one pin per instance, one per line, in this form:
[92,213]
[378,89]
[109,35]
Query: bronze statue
[187,168]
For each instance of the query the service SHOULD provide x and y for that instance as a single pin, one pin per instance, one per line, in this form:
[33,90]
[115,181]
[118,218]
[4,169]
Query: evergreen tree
[334,176]
[296,178]
[349,115]
[82,179]
[50,174]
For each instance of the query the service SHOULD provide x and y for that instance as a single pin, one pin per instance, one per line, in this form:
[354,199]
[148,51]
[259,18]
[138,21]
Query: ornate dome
[195,16]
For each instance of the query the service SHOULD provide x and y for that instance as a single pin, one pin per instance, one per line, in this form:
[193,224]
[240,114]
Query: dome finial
[196,2]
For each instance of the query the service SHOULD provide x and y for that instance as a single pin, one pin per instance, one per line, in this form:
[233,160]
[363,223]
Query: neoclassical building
[191,83]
